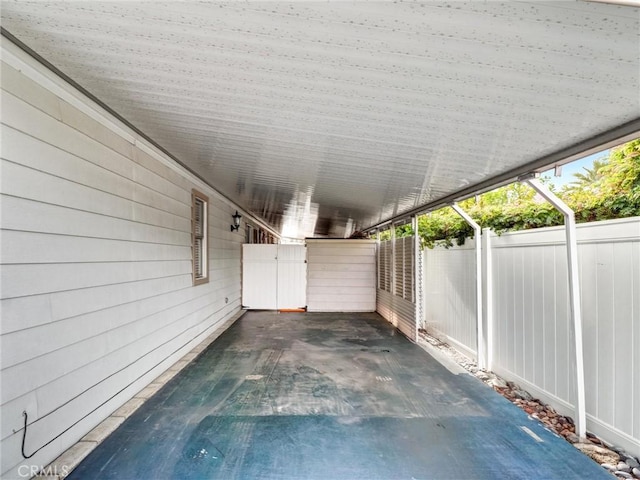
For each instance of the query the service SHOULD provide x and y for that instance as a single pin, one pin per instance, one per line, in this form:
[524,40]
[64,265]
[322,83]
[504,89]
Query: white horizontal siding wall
[532,343]
[96,295]
[341,275]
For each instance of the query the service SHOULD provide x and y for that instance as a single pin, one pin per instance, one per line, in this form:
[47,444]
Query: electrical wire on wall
[26,415]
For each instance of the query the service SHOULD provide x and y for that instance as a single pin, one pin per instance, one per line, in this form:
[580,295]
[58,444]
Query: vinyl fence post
[417,276]
[481,341]
[487,281]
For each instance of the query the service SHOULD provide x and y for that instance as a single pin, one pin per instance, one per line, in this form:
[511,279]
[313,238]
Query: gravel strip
[612,458]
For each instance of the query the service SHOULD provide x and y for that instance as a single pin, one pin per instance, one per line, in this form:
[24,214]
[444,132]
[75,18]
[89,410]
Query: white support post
[378,246]
[481,341]
[392,264]
[574,298]
[487,280]
[417,277]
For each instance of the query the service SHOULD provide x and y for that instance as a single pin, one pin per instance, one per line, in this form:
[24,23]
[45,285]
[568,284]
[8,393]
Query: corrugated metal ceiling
[323,117]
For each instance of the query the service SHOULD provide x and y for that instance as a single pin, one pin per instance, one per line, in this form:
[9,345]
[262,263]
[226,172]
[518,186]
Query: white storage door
[259,273]
[292,277]
[274,277]
[342,275]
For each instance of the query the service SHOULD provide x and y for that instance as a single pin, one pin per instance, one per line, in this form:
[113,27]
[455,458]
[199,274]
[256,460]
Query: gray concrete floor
[328,396]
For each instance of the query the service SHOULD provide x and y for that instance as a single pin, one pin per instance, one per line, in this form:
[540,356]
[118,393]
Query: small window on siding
[199,237]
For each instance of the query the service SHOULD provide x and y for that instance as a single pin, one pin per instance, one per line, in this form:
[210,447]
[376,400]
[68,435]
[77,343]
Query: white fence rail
[531,335]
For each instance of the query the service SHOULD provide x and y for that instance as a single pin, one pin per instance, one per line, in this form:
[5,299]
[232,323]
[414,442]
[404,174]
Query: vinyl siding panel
[23,149]
[31,216]
[33,279]
[345,282]
[25,118]
[341,275]
[27,183]
[96,295]
[27,247]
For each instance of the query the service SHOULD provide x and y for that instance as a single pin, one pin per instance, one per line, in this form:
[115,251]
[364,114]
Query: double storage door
[274,277]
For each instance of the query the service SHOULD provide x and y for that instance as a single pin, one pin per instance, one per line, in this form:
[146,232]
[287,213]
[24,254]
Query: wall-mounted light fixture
[236,221]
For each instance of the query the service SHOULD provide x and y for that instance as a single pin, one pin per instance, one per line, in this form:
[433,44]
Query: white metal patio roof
[324,117]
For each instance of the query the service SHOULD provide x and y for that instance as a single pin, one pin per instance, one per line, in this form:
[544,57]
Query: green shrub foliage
[610,189]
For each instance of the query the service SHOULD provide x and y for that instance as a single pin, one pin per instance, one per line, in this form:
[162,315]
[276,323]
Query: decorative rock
[498,383]
[632,462]
[612,458]
[621,474]
[623,467]
[599,454]
[573,438]
[523,394]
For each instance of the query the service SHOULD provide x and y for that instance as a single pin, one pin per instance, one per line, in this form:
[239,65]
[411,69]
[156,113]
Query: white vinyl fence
[450,295]
[531,335]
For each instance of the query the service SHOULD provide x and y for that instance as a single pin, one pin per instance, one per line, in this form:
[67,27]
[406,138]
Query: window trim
[196,197]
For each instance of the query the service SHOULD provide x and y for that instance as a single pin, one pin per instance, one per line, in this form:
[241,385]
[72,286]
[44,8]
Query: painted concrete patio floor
[328,396]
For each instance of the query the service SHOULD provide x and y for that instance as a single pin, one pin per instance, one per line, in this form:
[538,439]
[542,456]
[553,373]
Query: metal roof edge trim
[39,58]
[620,3]
[607,139]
